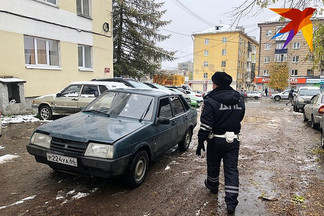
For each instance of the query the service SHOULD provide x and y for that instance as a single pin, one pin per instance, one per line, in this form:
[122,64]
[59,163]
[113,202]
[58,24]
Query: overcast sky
[210,13]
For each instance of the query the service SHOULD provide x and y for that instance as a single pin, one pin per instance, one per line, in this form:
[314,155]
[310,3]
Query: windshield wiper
[146,111]
[96,111]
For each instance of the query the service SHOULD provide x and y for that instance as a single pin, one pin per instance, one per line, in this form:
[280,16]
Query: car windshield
[124,105]
[160,86]
[137,84]
[176,90]
[309,92]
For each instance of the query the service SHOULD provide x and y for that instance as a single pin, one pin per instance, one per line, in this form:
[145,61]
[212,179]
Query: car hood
[85,127]
[45,98]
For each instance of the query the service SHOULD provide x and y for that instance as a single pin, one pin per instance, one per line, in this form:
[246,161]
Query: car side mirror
[58,94]
[188,92]
[163,120]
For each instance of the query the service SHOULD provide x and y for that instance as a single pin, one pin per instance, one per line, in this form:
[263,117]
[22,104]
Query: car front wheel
[138,169]
[314,125]
[305,118]
[185,142]
[322,138]
[45,112]
[277,98]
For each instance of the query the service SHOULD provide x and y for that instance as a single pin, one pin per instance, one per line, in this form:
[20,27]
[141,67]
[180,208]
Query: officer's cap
[221,79]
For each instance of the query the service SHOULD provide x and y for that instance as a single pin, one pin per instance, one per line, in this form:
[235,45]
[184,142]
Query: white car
[253,94]
[282,95]
[71,99]
[314,109]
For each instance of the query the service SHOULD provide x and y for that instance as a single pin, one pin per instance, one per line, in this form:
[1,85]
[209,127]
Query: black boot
[230,209]
[214,191]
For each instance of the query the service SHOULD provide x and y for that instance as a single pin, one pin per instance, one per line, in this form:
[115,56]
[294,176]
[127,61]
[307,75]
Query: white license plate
[62,159]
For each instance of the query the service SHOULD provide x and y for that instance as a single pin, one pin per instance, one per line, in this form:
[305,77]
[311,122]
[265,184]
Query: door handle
[74,99]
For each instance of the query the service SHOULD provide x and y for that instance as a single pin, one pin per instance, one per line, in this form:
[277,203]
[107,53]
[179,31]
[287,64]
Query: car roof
[308,87]
[108,84]
[149,92]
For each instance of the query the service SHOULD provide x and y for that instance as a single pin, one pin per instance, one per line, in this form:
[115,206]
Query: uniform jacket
[223,111]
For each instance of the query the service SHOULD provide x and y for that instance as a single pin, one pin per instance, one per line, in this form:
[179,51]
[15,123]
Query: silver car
[282,95]
[71,99]
[314,109]
[304,94]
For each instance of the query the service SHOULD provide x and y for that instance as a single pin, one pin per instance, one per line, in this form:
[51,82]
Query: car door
[66,102]
[309,109]
[88,94]
[180,117]
[285,95]
[166,134]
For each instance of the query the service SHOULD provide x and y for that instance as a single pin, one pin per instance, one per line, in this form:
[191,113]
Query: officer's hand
[200,147]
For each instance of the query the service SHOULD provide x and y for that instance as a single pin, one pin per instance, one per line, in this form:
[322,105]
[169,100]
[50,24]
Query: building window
[280,57]
[280,45]
[296,45]
[206,52]
[265,72]
[84,56]
[42,52]
[269,33]
[310,72]
[267,46]
[295,59]
[223,52]
[267,59]
[294,72]
[205,75]
[223,63]
[205,63]
[224,39]
[83,7]
[206,41]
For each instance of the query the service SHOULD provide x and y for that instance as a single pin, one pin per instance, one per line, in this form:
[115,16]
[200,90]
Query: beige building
[222,48]
[296,54]
[50,43]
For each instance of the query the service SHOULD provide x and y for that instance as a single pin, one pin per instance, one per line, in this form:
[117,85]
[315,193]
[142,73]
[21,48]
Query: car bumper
[99,167]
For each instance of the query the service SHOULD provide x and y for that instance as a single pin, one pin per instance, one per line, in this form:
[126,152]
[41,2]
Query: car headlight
[41,140]
[100,150]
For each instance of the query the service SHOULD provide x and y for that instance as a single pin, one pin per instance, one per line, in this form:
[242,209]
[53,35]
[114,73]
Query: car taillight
[198,96]
[321,110]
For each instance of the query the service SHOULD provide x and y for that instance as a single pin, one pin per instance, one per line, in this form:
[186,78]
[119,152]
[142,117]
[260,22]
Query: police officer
[220,119]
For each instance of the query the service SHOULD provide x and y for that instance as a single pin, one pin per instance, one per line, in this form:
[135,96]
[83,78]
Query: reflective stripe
[231,191]
[212,179]
[203,128]
[232,187]
[206,126]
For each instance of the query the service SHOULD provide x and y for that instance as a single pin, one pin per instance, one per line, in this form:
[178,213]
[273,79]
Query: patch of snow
[1,147]
[59,197]
[167,168]
[7,157]
[71,192]
[80,195]
[18,202]
[19,119]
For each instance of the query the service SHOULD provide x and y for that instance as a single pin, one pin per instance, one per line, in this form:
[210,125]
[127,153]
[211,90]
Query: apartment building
[50,43]
[296,54]
[223,48]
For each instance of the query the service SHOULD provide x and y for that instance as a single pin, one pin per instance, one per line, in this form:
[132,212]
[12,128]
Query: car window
[177,106]
[165,108]
[102,89]
[89,91]
[309,92]
[314,99]
[71,91]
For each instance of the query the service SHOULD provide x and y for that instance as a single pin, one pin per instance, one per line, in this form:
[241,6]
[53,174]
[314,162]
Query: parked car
[71,99]
[304,94]
[314,109]
[120,132]
[253,94]
[322,131]
[282,95]
[0,125]
[127,81]
[194,100]
[243,94]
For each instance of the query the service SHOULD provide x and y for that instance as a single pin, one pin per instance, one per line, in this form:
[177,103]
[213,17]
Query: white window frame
[268,33]
[280,57]
[206,41]
[83,67]
[296,45]
[267,46]
[223,52]
[206,53]
[205,63]
[82,9]
[295,59]
[294,72]
[265,72]
[267,59]
[49,3]
[280,45]
[47,65]
[224,39]
[205,75]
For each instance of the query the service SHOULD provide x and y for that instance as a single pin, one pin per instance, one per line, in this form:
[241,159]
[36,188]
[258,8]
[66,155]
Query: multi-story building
[187,69]
[223,48]
[296,55]
[50,43]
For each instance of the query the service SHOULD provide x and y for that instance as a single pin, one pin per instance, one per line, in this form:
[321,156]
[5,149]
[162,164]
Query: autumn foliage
[279,75]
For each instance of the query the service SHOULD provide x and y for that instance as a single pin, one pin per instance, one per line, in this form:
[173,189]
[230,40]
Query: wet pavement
[280,160]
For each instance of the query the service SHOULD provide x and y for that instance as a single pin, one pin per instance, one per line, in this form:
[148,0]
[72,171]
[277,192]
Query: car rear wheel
[138,169]
[45,112]
[305,118]
[314,125]
[185,142]
[277,98]
[256,97]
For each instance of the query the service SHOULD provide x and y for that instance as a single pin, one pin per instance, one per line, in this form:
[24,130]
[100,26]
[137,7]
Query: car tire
[294,108]
[256,98]
[45,112]
[185,142]
[322,138]
[314,125]
[277,98]
[137,169]
[305,119]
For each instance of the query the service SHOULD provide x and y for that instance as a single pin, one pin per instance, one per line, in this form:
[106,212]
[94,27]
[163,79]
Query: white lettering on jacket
[230,107]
